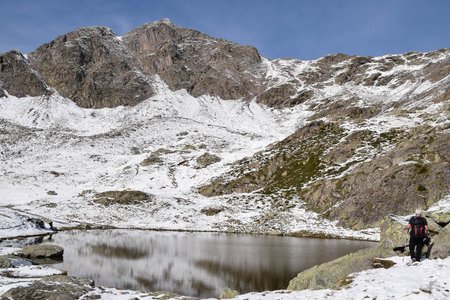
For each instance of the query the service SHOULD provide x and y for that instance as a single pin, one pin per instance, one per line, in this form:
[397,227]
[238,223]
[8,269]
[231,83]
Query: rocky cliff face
[18,77]
[190,60]
[356,178]
[91,67]
[357,164]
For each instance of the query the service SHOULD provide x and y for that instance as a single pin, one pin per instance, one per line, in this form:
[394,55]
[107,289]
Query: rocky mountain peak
[92,67]
[191,60]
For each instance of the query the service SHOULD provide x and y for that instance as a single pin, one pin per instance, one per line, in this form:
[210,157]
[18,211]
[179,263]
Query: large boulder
[43,251]
[5,262]
[441,248]
[57,287]
[207,159]
[93,68]
[393,232]
[333,274]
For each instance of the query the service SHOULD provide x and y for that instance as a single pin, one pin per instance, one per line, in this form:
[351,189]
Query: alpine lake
[194,264]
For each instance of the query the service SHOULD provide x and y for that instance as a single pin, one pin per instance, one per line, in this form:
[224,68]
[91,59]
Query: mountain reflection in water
[194,264]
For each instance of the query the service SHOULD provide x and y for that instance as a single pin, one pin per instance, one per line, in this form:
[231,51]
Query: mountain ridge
[96,68]
[303,144]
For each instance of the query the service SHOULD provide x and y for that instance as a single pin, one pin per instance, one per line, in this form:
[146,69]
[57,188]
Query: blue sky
[303,29]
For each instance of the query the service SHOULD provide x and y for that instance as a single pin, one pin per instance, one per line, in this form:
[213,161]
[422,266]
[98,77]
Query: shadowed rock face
[91,67]
[18,78]
[188,59]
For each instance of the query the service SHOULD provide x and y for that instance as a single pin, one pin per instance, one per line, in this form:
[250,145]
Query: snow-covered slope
[56,156]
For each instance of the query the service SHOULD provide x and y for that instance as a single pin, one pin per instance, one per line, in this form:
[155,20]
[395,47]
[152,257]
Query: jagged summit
[191,60]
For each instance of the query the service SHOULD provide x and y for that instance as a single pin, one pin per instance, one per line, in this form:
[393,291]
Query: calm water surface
[194,264]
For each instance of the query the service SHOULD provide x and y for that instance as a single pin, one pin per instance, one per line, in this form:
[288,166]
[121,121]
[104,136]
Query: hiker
[418,230]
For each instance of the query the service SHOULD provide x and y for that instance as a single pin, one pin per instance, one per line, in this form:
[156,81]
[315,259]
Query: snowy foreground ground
[429,279]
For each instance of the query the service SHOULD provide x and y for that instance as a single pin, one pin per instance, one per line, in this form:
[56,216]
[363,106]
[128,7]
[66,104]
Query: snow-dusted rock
[52,287]
[43,251]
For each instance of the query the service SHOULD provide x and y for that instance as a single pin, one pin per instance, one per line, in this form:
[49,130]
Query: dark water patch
[129,252]
[194,264]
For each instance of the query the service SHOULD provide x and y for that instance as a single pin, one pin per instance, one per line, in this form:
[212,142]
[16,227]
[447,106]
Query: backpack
[418,227]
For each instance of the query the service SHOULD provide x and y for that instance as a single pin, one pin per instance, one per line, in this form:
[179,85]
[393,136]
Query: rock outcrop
[52,288]
[92,67]
[18,77]
[207,159]
[121,197]
[335,274]
[415,173]
[188,59]
[5,262]
[317,163]
[441,248]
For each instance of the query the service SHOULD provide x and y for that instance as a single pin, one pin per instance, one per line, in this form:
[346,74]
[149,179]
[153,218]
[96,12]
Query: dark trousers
[415,248]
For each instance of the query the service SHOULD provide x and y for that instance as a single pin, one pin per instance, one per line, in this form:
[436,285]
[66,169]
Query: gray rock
[382,263]
[38,223]
[43,251]
[18,77]
[228,294]
[441,217]
[151,160]
[58,287]
[212,211]
[5,262]
[393,232]
[333,274]
[121,197]
[441,248]
[285,95]
[93,68]
[207,159]
[433,226]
